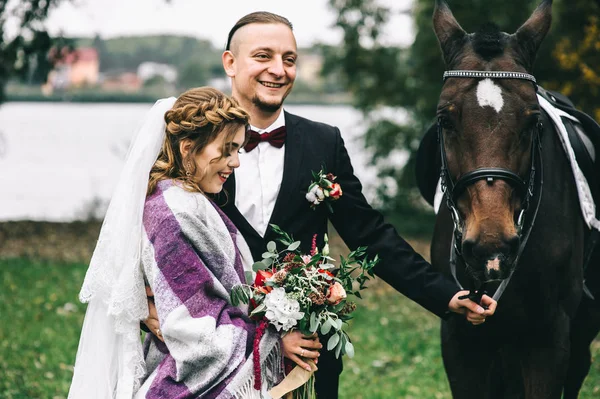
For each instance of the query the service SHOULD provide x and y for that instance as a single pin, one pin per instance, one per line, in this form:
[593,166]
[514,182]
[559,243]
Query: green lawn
[397,344]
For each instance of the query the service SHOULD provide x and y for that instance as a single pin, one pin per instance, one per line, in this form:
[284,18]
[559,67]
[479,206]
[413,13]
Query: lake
[61,161]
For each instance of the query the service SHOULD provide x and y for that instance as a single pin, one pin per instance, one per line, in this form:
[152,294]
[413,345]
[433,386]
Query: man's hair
[259,17]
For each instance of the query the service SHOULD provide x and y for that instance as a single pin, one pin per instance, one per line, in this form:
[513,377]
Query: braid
[199,114]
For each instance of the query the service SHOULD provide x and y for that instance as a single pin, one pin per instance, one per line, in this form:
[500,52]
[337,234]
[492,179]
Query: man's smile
[272,85]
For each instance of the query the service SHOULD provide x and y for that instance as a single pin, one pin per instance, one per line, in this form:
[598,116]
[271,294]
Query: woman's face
[213,168]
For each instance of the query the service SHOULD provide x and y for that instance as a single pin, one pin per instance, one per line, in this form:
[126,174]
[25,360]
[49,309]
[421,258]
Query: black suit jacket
[309,146]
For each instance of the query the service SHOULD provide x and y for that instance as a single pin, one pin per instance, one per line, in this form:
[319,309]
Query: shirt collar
[280,121]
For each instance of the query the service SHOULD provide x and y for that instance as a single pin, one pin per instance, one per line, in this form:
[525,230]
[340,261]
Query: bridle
[526,189]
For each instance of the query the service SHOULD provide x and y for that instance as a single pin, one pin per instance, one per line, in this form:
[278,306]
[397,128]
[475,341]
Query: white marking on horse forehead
[489,94]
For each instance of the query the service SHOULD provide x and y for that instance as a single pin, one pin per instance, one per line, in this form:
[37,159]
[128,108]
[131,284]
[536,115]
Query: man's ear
[185,147]
[228,63]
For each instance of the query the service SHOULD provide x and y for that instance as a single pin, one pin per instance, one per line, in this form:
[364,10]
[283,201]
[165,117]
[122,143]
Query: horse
[511,225]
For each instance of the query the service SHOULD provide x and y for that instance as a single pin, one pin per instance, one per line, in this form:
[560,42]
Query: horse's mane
[488,41]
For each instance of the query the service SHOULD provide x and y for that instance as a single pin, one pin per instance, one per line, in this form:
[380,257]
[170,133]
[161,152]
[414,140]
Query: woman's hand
[152,321]
[297,347]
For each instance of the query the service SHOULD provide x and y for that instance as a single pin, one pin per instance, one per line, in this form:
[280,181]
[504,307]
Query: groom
[271,183]
[275,172]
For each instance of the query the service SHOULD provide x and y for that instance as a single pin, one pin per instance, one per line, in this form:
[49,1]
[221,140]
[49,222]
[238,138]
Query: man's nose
[276,67]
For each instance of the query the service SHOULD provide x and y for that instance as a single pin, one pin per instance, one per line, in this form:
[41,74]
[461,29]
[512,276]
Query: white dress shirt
[258,179]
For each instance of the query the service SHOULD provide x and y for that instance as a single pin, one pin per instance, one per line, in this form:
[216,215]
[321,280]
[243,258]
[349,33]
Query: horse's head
[488,124]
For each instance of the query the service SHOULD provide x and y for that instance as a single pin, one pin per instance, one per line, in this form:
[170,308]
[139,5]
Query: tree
[409,80]
[26,51]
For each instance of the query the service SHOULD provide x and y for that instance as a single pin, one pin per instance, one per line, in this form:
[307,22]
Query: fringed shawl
[192,257]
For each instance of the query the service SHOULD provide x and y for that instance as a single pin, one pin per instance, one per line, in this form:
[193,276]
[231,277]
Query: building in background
[73,69]
[128,82]
[149,70]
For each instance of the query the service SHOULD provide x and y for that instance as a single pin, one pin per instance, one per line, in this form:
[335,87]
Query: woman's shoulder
[171,198]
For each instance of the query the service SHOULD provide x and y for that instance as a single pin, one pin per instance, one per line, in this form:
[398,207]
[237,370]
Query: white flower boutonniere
[323,189]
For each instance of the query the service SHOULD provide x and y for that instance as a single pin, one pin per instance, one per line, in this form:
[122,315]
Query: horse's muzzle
[491,260]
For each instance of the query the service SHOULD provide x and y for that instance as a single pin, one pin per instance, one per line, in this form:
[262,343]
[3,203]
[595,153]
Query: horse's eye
[447,124]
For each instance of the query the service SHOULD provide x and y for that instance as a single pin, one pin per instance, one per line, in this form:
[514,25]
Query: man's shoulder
[310,125]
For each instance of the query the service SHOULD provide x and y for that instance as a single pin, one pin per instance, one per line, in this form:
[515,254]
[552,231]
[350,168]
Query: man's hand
[152,321]
[474,312]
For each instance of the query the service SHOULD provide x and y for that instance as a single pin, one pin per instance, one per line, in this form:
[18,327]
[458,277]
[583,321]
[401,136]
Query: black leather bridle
[526,188]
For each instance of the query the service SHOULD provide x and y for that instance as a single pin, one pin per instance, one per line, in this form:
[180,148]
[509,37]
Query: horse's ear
[448,31]
[532,32]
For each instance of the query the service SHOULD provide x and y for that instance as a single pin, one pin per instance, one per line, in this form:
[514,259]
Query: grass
[397,342]
[40,321]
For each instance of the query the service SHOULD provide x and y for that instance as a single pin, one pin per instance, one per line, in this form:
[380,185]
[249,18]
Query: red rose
[259,281]
[336,191]
[322,271]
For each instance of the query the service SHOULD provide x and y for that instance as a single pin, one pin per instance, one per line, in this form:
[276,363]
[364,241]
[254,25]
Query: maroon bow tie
[275,137]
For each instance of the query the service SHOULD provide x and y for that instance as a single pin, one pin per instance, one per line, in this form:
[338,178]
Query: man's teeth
[274,85]
[224,176]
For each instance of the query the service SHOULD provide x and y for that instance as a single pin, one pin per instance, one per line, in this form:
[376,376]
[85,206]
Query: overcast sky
[312,19]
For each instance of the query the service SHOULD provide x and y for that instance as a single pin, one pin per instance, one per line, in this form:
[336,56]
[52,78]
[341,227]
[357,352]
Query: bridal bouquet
[307,292]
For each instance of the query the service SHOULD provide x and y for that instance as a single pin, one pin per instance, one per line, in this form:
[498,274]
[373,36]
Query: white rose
[311,197]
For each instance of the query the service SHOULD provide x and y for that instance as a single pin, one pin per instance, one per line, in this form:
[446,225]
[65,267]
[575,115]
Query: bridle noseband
[453,190]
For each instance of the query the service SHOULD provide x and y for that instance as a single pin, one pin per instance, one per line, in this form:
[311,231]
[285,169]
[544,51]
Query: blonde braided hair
[201,115]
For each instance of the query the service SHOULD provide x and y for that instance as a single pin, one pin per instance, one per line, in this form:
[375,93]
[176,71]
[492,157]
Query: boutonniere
[323,189]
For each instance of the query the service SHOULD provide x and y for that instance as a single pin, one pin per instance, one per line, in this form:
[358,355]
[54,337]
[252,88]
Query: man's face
[263,65]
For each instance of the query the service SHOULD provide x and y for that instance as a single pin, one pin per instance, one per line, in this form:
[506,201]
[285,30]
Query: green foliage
[410,79]
[24,53]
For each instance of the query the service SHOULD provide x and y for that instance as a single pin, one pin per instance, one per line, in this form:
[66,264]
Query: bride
[162,232]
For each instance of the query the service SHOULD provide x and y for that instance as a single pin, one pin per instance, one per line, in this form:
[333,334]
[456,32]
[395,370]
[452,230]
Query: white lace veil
[109,360]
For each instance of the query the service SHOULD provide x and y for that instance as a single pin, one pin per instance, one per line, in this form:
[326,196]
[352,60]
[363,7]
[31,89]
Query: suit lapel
[233,212]
[291,166]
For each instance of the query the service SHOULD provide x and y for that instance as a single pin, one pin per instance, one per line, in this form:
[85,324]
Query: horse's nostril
[482,250]
[467,247]
[513,244]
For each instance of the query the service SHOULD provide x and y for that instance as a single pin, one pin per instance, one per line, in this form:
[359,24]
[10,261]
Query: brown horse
[512,224]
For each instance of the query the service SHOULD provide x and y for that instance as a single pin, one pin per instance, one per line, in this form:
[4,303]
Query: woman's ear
[185,146]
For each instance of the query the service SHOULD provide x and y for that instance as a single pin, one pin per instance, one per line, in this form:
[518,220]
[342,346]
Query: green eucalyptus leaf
[249,277]
[313,322]
[268,261]
[326,327]
[349,349]
[259,266]
[271,246]
[333,341]
[338,348]
[259,309]
[293,246]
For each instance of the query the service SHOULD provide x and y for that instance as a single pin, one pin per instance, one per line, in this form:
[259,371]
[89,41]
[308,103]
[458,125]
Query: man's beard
[267,107]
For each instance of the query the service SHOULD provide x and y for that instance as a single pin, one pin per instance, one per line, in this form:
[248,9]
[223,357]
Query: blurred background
[76,77]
